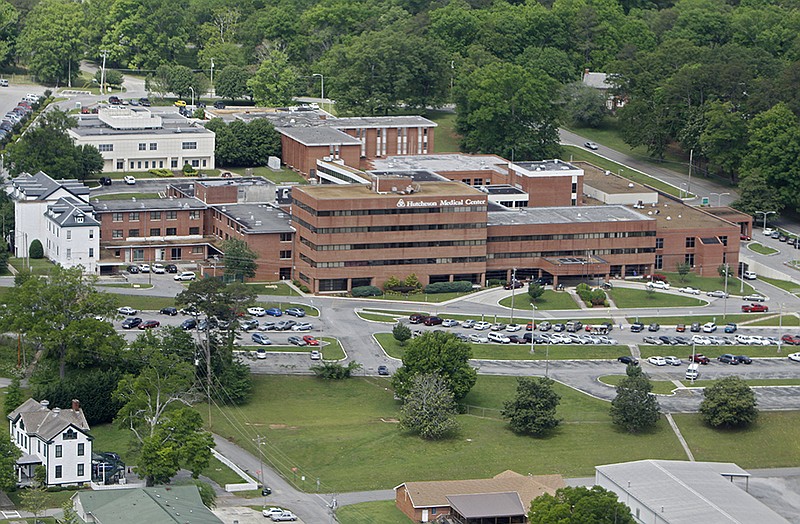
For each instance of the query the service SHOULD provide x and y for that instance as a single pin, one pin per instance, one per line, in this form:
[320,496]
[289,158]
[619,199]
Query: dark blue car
[274,312]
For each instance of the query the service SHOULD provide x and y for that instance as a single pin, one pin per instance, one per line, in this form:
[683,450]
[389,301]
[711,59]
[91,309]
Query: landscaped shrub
[366,291]
[161,172]
[495,282]
[188,170]
[410,285]
[36,250]
[593,297]
[461,286]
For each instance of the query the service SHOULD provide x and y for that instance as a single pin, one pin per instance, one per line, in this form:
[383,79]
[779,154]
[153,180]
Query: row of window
[60,471]
[574,236]
[396,211]
[69,253]
[60,450]
[176,253]
[154,215]
[392,262]
[147,164]
[391,245]
[581,253]
[385,229]
[154,232]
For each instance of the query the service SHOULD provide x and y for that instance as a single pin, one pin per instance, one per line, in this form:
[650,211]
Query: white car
[498,338]
[302,326]
[700,340]
[689,290]
[743,339]
[127,310]
[271,511]
[469,323]
[673,361]
[755,297]
[795,357]
[477,339]
[709,327]
[513,327]
[144,268]
[257,311]
[657,284]
[718,294]
[449,322]
[158,268]
[768,231]
[482,325]
[316,355]
[129,180]
[657,361]
[186,276]
[285,516]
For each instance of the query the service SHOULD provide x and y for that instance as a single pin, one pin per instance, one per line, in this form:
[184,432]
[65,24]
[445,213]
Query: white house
[57,214]
[134,139]
[56,438]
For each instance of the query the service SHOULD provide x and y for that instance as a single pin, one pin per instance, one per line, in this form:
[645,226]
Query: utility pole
[513,291]
[260,440]
[104,53]
[691,162]
[212,78]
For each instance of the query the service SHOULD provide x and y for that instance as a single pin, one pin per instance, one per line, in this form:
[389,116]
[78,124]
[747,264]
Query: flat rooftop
[444,163]
[171,124]
[361,191]
[419,175]
[234,181]
[258,218]
[146,204]
[502,189]
[565,215]
[282,119]
[318,136]
[610,183]
[555,165]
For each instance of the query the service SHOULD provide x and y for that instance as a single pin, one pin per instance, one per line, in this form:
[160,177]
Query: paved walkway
[678,434]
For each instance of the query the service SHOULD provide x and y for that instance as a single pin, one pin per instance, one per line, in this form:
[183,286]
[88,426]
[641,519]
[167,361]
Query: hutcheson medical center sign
[441,203]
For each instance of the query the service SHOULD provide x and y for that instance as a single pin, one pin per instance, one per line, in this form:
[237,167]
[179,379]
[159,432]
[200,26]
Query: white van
[693,371]
[750,275]
[498,338]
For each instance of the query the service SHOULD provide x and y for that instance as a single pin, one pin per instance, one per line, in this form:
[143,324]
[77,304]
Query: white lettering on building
[441,203]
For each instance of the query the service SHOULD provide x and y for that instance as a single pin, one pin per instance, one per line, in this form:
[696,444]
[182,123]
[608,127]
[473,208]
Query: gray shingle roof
[46,423]
[41,185]
[71,212]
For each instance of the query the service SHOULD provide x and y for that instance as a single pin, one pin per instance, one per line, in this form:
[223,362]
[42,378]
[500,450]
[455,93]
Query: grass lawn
[660,387]
[125,196]
[108,437]
[390,312]
[446,140]
[144,302]
[687,320]
[550,300]
[625,297]
[274,288]
[573,153]
[383,511]
[772,442]
[39,266]
[712,352]
[432,298]
[220,473]
[785,285]
[55,499]
[788,320]
[376,317]
[761,249]
[751,382]
[345,433]
[279,177]
[520,351]
[708,283]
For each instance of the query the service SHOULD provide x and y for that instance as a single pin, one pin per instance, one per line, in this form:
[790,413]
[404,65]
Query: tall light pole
[725,298]
[212,78]
[719,197]
[322,86]
[192,90]
[513,291]
[103,72]
[765,214]
[780,326]
[691,163]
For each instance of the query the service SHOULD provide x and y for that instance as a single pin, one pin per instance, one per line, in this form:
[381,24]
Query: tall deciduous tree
[52,41]
[724,137]
[584,106]
[401,333]
[634,409]
[506,110]
[440,353]
[58,311]
[429,409]
[580,505]
[275,81]
[9,453]
[729,403]
[240,260]
[533,409]
[231,82]
[215,298]
[8,26]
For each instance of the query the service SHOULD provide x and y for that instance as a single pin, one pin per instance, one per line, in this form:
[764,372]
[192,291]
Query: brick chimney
[76,404]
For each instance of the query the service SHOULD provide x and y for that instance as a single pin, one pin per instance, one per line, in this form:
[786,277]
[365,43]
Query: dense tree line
[715,77]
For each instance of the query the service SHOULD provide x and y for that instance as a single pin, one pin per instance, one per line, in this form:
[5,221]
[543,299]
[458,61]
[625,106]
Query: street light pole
[691,162]
[780,326]
[719,197]
[322,87]
[192,90]
[765,214]
[725,298]
[513,291]
[212,78]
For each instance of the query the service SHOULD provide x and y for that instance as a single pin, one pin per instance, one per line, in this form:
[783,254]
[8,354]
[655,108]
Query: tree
[70,515]
[9,453]
[35,499]
[729,403]
[578,505]
[245,144]
[683,269]
[645,122]
[429,409]
[36,250]
[634,409]
[533,409]
[8,26]
[58,311]
[535,291]
[584,105]
[215,298]
[275,81]
[440,353]
[335,371]
[724,137]
[755,193]
[14,397]
[231,82]
[240,260]
[112,77]
[51,40]
[401,333]
[506,110]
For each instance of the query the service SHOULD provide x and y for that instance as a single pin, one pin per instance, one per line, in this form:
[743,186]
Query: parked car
[652,340]
[792,340]
[514,284]
[498,338]
[717,294]
[284,325]
[247,325]
[730,327]
[258,338]
[267,326]
[286,515]
[315,353]
[128,179]
[383,370]
[186,276]
[432,321]
[310,340]
[468,324]
[3,82]
[743,359]
[751,275]
[130,323]
[511,328]
[171,268]
[727,358]
[637,327]
[133,269]
[544,326]
[257,311]
[658,284]
[590,145]
[755,308]
[261,353]
[680,328]
[271,511]
[296,341]
[673,361]
[657,361]
[416,318]
[274,312]
[653,327]
[755,297]
[127,310]
[188,324]
[516,339]
[158,269]
[449,322]
[689,290]
[629,360]
[219,105]
[795,357]
[478,339]
[699,358]
[482,325]
[144,102]
[709,327]
[149,324]
[190,310]
[302,326]
[498,326]
[295,312]
[695,327]
[144,268]
[169,310]
[114,100]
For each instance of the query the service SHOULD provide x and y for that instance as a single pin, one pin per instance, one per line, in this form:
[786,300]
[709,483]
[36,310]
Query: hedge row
[449,287]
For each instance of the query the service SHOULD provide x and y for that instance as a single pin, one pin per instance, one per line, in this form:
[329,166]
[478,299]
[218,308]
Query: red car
[149,324]
[755,308]
[699,358]
[790,339]
[744,237]
[310,341]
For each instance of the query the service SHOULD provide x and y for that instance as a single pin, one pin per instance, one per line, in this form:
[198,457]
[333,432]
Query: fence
[479,411]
